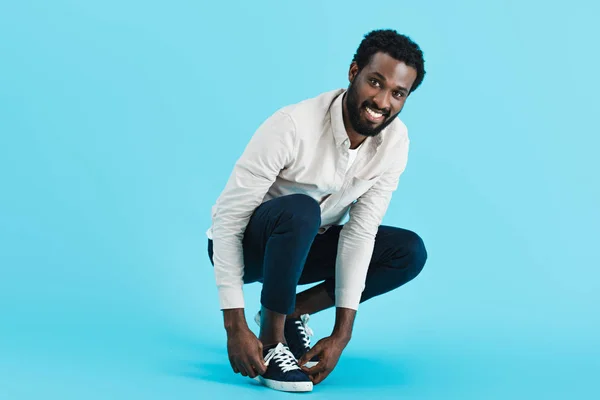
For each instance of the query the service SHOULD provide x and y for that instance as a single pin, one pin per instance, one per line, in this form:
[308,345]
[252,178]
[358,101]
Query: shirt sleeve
[357,237]
[268,152]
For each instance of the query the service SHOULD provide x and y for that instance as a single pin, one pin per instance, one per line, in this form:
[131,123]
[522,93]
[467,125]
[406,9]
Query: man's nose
[382,100]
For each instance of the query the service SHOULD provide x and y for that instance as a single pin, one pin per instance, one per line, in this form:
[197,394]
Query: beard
[364,127]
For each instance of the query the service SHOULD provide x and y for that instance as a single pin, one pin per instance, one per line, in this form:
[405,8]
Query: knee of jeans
[303,210]
[417,253]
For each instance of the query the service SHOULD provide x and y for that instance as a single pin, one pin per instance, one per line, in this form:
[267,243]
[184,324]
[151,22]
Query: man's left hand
[329,350]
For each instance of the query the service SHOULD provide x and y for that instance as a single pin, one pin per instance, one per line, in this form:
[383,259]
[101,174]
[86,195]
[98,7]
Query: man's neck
[355,142]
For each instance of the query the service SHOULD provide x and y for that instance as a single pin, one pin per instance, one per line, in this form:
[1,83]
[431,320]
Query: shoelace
[302,325]
[283,357]
[305,330]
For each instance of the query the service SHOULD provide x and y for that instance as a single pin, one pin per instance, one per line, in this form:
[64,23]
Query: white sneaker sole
[286,386]
[310,364]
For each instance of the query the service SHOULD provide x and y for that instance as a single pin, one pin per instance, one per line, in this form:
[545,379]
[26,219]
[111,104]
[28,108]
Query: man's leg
[398,257]
[276,243]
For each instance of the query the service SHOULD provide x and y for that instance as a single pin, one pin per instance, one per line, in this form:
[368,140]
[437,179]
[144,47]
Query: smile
[373,115]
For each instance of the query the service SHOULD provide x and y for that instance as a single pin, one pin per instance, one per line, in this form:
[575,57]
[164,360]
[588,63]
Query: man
[279,220]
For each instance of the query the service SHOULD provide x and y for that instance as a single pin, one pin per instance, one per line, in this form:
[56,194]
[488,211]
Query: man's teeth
[373,113]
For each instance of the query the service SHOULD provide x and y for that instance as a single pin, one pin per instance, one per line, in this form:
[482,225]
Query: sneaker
[283,372]
[297,335]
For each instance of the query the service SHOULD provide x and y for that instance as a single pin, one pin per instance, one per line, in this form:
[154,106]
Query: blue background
[120,123]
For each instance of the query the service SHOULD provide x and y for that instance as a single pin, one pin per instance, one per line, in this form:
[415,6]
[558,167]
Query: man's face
[377,93]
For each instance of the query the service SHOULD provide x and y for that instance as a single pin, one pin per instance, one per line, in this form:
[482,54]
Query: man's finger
[310,354]
[320,367]
[320,377]
[249,368]
[247,364]
[259,368]
[233,367]
[259,365]
[252,372]
[242,369]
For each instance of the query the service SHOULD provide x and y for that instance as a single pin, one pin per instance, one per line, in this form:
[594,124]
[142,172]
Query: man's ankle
[294,315]
[271,342]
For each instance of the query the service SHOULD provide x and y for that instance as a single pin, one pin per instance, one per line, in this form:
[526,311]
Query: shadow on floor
[215,372]
[352,372]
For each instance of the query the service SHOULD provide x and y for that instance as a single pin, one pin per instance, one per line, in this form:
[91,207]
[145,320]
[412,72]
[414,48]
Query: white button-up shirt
[304,148]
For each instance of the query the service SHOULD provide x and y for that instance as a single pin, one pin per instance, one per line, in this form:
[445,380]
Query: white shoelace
[304,329]
[283,357]
[302,325]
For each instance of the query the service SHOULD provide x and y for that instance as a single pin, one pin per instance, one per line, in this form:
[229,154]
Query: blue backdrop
[120,123]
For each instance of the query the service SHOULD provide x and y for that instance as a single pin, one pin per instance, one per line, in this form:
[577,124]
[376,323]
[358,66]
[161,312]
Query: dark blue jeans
[282,248]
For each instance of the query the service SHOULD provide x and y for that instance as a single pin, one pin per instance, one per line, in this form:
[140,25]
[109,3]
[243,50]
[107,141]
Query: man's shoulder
[313,109]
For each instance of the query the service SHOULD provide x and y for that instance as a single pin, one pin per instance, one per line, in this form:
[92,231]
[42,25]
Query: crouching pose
[309,168]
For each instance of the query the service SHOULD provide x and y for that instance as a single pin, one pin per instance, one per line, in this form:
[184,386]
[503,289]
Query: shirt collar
[338,128]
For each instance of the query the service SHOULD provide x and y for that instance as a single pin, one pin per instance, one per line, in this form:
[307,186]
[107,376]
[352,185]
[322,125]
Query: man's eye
[374,82]
[398,94]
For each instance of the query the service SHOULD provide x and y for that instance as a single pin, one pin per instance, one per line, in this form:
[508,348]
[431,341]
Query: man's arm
[355,249]
[268,152]
[357,237]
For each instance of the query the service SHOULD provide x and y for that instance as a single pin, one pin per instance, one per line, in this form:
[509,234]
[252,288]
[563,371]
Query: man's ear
[353,71]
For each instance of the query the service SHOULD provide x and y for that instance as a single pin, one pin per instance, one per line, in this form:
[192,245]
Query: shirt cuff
[231,297]
[347,298]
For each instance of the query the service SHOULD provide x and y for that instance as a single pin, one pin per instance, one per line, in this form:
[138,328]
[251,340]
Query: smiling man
[280,219]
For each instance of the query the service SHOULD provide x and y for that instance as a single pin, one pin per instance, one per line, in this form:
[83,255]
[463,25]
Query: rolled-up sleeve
[357,237]
[268,152]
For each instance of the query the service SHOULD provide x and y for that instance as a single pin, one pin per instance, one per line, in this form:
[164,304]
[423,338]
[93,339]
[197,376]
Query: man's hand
[329,350]
[244,349]
[245,353]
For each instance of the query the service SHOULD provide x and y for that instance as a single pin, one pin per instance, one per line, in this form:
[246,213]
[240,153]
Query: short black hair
[398,46]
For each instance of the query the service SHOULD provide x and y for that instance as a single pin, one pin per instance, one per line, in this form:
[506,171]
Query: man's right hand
[244,349]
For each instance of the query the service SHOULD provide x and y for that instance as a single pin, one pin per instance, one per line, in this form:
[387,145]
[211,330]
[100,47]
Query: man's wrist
[344,320]
[234,319]
[342,337]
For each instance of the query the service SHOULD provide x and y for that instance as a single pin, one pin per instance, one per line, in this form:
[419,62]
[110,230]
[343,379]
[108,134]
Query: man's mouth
[372,115]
